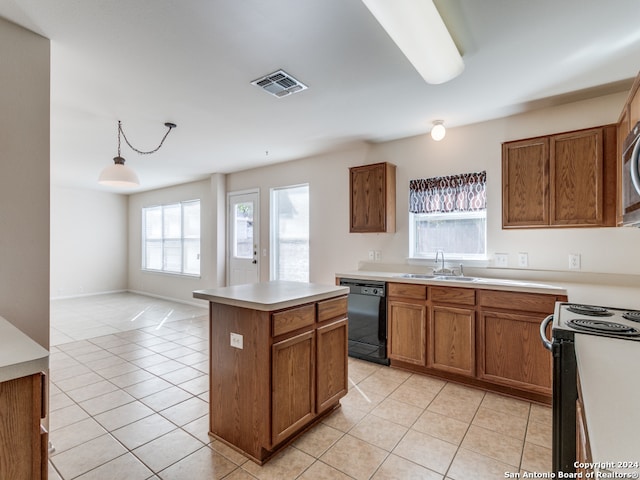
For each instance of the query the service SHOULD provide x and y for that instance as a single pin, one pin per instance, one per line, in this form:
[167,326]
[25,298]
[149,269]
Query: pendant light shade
[438,131]
[418,30]
[118,175]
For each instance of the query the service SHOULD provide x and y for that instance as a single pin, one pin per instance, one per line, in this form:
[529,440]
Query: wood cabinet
[287,370]
[293,376]
[487,338]
[525,183]
[23,441]
[511,353]
[407,323]
[562,180]
[372,198]
[331,384]
[452,330]
[583,448]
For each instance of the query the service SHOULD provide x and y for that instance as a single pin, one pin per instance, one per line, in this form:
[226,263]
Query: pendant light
[438,131]
[118,174]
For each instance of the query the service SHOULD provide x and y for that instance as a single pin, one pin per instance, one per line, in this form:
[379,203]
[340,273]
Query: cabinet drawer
[290,320]
[527,302]
[328,309]
[407,290]
[459,296]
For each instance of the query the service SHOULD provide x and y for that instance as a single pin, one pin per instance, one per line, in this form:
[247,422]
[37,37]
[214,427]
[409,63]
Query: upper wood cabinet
[372,198]
[562,180]
[525,183]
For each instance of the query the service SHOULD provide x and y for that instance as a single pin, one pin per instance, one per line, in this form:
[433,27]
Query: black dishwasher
[367,320]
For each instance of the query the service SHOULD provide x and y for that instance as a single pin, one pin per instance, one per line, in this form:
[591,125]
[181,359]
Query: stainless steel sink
[422,276]
[455,278]
[425,276]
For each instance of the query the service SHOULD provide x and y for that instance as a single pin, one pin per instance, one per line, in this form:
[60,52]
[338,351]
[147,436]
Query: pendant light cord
[170,126]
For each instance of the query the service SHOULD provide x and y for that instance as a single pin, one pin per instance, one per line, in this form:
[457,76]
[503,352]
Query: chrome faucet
[440,253]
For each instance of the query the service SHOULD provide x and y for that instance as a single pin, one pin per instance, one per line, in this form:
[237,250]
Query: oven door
[631,178]
[565,395]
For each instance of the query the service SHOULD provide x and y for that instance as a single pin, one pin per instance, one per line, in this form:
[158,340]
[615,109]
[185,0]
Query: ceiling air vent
[279,83]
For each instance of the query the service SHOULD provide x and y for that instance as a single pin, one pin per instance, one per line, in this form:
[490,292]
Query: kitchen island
[278,362]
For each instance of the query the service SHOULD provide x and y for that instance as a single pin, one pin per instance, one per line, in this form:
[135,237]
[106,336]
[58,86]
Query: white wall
[176,286]
[610,259]
[89,242]
[331,247]
[24,180]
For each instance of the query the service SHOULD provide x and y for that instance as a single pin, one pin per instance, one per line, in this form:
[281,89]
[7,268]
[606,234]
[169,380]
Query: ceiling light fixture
[438,131]
[118,174]
[418,30]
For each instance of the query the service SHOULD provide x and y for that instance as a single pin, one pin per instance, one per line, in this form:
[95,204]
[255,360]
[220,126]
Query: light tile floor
[133,405]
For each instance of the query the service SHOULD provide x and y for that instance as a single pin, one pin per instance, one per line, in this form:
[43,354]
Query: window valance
[455,193]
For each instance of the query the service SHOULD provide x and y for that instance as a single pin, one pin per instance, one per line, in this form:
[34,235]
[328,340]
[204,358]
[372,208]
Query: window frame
[273,229]
[415,217]
[163,239]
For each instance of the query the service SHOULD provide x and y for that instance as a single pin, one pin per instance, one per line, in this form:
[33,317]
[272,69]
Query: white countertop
[269,296]
[19,355]
[478,282]
[609,378]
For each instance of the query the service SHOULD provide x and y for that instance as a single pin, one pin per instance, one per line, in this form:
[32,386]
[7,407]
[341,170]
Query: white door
[243,238]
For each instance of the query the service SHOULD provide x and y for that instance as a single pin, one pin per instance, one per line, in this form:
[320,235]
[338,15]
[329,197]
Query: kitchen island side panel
[240,378]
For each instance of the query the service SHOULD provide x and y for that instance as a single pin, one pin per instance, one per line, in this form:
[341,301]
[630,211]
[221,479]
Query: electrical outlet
[501,260]
[523,259]
[237,341]
[574,261]
[378,255]
[372,255]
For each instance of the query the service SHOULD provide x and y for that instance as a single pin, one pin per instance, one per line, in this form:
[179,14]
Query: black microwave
[631,178]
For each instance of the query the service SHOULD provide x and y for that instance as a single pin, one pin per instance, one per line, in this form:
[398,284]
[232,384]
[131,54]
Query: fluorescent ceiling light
[418,30]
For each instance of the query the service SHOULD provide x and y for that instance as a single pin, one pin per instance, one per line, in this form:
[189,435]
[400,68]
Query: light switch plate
[523,259]
[237,341]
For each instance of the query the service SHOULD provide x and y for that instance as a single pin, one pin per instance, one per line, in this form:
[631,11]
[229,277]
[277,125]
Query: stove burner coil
[634,316]
[602,326]
[589,310]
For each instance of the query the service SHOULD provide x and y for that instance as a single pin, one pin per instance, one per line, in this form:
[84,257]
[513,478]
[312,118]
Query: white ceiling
[146,62]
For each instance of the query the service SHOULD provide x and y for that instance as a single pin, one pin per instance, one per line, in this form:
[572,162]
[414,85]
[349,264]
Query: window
[171,238]
[449,214]
[290,233]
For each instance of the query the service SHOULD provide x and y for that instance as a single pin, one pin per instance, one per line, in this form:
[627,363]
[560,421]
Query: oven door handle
[546,343]
[634,166]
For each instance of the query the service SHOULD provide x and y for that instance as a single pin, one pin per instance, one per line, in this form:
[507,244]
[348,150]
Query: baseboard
[170,299]
[92,294]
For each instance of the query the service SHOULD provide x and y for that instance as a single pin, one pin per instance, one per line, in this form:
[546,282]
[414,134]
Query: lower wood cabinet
[293,378]
[23,441]
[287,372]
[332,363]
[511,351]
[407,331]
[487,338]
[452,333]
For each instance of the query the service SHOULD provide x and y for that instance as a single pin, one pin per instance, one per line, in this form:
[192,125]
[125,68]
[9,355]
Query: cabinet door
[407,330]
[21,453]
[576,178]
[331,363]
[292,385]
[511,352]
[525,180]
[372,198]
[452,340]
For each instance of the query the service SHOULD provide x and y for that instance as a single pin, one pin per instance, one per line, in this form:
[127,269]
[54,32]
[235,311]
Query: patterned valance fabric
[455,193]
